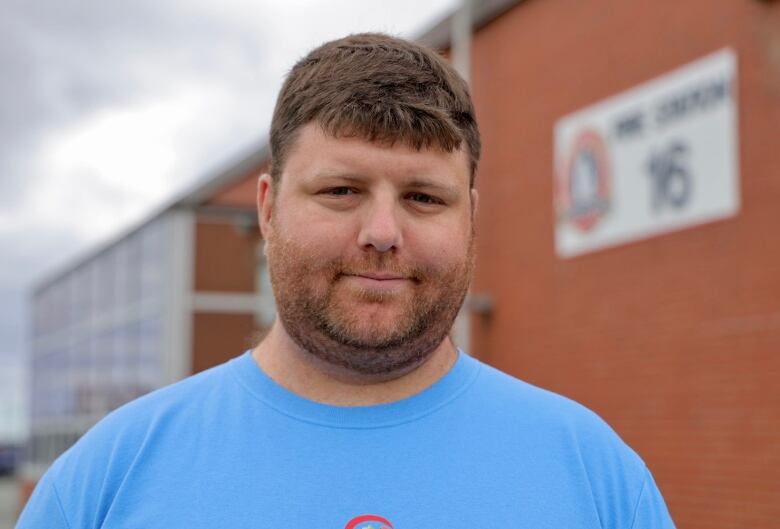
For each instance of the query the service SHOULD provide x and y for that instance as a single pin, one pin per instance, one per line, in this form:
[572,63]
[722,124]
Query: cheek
[308,230]
[439,249]
[316,228]
[307,258]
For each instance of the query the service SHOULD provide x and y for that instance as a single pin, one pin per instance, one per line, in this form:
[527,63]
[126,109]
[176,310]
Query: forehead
[315,153]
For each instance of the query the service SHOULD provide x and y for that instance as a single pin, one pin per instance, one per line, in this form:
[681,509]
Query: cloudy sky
[108,108]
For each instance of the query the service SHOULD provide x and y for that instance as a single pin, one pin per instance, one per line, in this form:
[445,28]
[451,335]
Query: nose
[380,228]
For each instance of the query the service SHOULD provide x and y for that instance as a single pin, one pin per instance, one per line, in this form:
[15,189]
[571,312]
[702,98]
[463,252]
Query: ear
[474,203]
[265,199]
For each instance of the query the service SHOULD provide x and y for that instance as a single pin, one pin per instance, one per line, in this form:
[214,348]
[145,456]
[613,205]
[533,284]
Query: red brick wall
[225,256]
[225,263]
[220,337]
[674,340]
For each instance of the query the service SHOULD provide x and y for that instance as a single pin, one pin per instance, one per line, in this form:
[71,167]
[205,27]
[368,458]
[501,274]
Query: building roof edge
[189,197]
[439,35]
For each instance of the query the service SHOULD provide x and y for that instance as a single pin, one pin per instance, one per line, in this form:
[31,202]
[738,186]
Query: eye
[423,198]
[339,191]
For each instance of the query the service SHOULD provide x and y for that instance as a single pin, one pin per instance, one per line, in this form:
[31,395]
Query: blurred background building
[12,420]
[174,295]
[670,332]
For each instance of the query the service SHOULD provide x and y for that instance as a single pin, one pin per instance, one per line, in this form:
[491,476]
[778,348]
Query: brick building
[674,339]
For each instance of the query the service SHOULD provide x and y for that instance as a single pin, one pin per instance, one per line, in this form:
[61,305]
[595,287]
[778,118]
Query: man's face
[369,248]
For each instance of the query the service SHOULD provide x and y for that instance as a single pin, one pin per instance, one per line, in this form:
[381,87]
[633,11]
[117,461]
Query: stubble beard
[319,312]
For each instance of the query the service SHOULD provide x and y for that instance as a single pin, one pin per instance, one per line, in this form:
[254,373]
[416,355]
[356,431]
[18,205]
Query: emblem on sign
[584,186]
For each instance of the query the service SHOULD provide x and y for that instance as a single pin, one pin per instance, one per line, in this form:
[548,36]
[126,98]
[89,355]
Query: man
[356,410]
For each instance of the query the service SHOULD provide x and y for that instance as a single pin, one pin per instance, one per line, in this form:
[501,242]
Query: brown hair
[381,88]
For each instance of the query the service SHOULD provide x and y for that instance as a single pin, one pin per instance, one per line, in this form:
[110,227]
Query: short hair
[379,88]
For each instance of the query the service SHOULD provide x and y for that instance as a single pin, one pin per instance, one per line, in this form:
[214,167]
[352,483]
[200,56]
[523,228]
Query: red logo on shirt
[369,521]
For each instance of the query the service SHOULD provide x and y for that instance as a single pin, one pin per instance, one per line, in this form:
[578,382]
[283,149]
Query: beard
[365,331]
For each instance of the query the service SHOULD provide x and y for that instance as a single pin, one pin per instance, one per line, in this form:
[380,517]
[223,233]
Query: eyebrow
[337,175]
[430,185]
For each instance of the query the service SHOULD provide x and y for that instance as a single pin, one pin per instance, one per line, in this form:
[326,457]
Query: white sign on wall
[657,158]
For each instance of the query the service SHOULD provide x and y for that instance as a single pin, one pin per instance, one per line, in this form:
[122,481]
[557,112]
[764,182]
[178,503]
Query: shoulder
[564,435]
[535,409]
[515,399]
[158,409]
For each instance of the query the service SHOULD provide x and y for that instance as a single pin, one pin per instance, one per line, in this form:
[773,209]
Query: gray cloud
[64,61]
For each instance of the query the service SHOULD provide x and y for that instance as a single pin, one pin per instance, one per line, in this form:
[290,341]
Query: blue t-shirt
[231,448]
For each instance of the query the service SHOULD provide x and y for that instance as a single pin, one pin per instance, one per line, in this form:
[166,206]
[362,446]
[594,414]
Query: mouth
[379,277]
[378,281]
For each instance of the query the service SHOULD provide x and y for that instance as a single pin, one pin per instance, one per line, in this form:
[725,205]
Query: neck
[301,373]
